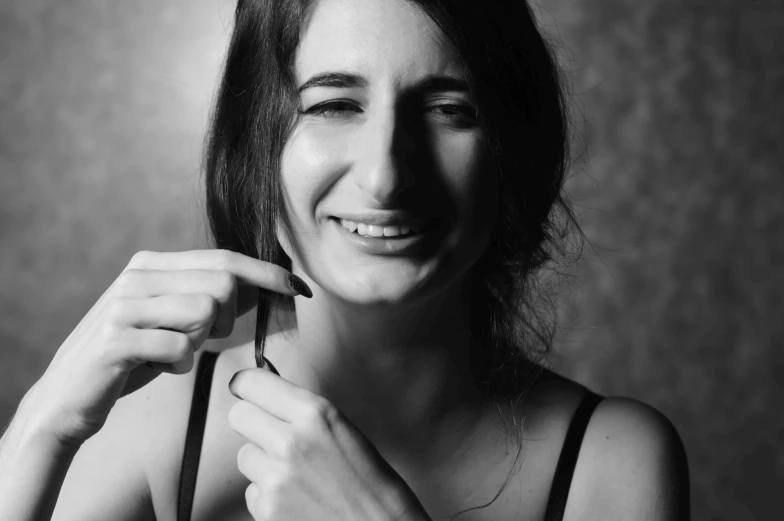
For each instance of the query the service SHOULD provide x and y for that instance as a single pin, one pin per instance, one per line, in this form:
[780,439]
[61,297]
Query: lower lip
[385,245]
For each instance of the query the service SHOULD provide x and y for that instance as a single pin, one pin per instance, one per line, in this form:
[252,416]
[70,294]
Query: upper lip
[383,219]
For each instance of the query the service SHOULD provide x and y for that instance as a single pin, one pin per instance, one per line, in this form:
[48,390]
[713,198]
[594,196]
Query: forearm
[33,466]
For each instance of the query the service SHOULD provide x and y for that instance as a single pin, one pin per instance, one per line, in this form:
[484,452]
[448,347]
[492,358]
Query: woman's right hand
[160,309]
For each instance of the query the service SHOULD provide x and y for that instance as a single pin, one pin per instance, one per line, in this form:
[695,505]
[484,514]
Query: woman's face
[388,139]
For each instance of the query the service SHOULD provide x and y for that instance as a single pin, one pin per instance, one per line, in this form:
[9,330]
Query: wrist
[30,428]
[33,466]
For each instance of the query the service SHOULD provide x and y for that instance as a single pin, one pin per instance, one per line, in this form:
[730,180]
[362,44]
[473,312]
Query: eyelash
[323,109]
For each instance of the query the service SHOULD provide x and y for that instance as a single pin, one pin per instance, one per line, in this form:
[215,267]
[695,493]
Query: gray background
[102,112]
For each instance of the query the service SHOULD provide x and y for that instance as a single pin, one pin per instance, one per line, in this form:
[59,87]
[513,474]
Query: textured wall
[682,304]
[678,302]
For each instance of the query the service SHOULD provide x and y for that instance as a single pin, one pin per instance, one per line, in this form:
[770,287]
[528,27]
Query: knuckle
[226,284]
[243,455]
[231,416]
[287,473]
[128,280]
[184,364]
[182,344]
[292,446]
[278,482]
[116,311]
[246,451]
[205,306]
[236,414]
[320,412]
[259,507]
[109,333]
[141,259]
[250,496]
[223,259]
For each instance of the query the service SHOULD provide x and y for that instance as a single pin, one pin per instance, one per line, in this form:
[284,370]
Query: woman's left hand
[306,461]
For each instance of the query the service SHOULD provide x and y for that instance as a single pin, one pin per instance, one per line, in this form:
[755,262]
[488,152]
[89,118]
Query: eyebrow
[344,80]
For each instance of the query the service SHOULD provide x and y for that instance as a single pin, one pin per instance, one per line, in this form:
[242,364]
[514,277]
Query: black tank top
[559,490]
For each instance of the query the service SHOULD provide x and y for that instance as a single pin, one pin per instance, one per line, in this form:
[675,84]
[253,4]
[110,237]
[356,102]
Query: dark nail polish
[298,285]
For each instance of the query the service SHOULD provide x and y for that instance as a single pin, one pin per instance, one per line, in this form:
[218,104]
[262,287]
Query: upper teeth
[380,231]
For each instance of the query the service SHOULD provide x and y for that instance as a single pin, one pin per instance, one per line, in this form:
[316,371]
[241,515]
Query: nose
[385,156]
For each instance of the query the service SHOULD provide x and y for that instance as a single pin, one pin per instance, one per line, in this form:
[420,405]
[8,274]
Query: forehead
[384,40]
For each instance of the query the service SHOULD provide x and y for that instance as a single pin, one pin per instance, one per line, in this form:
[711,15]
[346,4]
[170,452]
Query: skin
[392,326]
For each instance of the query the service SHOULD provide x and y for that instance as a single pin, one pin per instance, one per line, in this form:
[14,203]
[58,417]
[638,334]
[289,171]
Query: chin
[383,287]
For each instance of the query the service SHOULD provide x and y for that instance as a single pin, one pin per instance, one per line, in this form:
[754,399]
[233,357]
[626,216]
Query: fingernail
[231,389]
[298,285]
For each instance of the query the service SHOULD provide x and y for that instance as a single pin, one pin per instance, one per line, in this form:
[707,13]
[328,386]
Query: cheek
[473,185]
[309,165]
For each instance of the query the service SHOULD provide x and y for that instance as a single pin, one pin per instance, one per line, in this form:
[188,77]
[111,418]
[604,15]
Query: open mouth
[381,232]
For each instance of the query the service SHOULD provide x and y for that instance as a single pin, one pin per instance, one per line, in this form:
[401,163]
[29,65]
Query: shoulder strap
[195,434]
[562,480]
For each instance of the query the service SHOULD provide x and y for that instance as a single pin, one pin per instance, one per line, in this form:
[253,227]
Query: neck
[401,374]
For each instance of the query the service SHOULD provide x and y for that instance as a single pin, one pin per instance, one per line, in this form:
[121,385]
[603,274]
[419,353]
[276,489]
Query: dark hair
[522,102]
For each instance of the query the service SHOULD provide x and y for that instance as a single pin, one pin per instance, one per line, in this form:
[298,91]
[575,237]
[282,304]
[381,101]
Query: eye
[451,109]
[458,114]
[332,108]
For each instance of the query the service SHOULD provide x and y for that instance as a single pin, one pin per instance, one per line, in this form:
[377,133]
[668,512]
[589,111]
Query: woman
[400,164]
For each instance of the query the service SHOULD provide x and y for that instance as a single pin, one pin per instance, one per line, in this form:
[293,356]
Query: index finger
[248,270]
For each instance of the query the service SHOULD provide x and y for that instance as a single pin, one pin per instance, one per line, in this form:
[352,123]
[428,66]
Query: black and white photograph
[391,260]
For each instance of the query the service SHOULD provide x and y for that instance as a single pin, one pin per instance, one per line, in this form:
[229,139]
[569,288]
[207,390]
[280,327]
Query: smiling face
[388,135]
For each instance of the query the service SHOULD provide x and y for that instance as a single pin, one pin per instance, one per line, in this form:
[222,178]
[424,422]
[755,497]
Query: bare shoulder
[163,406]
[169,401]
[162,409]
[632,465]
[119,468]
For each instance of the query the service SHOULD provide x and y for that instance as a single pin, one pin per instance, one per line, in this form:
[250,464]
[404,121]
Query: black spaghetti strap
[562,480]
[195,434]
